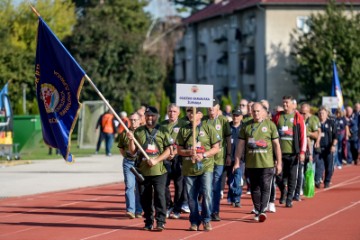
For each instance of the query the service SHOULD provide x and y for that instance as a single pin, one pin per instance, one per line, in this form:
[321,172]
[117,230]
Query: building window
[302,23]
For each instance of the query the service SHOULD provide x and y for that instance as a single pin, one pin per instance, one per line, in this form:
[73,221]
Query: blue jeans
[325,163]
[218,171]
[234,180]
[132,193]
[109,140]
[338,155]
[195,186]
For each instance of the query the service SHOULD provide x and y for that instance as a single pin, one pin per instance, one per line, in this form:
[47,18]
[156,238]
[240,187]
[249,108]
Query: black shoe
[148,227]
[326,185]
[288,204]
[160,227]
[237,205]
[215,217]
[283,197]
[317,185]
[297,197]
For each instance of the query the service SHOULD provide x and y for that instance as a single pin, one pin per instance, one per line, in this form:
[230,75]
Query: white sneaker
[271,207]
[222,194]
[175,216]
[185,208]
[256,218]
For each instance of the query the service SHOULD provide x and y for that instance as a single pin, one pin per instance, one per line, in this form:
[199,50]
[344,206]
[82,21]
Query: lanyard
[253,128]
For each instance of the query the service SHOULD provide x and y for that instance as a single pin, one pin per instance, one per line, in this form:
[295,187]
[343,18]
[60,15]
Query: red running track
[99,213]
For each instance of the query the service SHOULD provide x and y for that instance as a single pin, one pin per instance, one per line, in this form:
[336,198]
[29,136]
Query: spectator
[107,126]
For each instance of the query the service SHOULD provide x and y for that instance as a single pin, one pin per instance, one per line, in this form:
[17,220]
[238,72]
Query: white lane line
[106,233]
[320,220]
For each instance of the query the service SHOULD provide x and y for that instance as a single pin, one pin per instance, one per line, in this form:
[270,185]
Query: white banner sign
[330,102]
[194,95]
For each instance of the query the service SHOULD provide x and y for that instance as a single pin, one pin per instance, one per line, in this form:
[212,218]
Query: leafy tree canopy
[336,29]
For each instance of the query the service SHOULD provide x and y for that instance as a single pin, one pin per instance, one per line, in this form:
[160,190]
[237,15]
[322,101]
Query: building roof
[229,6]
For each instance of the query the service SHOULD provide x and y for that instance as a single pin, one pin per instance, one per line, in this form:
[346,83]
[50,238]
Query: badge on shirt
[292,120]
[201,133]
[264,129]
[151,147]
[176,130]
[218,127]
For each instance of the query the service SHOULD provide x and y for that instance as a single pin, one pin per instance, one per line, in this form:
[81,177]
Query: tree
[108,45]
[18,28]
[335,29]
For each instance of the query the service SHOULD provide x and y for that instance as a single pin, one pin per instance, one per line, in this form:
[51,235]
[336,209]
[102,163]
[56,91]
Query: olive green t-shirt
[312,124]
[258,143]
[222,127]
[285,127]
[173,128]
[247,118]
[124,144]
[206,136]
[155,147]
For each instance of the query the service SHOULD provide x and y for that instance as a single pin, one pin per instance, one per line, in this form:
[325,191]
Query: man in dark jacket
[291,126]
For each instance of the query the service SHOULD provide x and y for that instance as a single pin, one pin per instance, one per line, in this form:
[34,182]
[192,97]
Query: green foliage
[336,29]
[108,44]
[239,97]
[18,28]
[127,104]
[153,101]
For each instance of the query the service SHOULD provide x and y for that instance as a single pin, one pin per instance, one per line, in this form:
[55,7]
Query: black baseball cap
[190,109]
[150,110]
[237,112]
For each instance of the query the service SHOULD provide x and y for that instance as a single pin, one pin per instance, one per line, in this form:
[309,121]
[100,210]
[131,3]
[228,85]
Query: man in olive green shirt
[259,139]
[222,126]
[155,140]
[198,166]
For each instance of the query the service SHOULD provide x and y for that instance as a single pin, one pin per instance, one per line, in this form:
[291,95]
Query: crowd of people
[249,147]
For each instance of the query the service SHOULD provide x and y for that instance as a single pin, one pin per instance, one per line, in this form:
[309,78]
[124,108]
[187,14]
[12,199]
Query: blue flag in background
[336,88]
[59,80]
[4,101]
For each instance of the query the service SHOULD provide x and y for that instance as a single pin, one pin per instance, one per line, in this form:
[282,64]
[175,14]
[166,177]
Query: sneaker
[297,197]
[248,192]
[288,204]
[207,226]
[148,227]
[271,207]
[237,205]
[262,217]
[168,212]
[222,194]
[130,215]
[138,215]
[193,227]
[256,217]
[339,167]
[254,211]
[215,217]
[185,208]
[326,185]
[175,216]
[160,227]
[109,154]
[317,184]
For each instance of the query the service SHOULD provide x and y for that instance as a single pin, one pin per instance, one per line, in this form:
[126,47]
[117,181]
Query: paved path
[55,175]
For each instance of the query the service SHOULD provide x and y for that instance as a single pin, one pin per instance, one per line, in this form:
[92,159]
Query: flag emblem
[50,96]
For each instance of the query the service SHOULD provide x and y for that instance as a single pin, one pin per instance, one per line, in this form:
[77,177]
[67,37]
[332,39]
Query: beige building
[244,46]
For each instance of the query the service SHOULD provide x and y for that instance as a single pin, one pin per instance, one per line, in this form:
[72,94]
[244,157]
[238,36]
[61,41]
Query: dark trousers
[174,173]
[289,175]
[152,195]
[273,191]
[261,180]
[300,178]
[325,163]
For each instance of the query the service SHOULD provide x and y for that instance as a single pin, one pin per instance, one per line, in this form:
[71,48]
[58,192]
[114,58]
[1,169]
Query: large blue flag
[336,87]
[59,80]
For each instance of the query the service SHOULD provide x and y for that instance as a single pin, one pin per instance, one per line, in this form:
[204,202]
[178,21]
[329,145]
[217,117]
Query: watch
[204,155]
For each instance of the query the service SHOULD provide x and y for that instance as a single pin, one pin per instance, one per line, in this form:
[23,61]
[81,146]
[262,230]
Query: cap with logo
[237,112]
[151,111]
